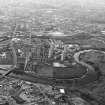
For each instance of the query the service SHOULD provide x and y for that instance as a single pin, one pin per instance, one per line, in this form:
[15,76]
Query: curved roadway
[91,74]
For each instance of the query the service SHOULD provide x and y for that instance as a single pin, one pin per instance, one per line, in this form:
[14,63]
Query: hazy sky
[59,2]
